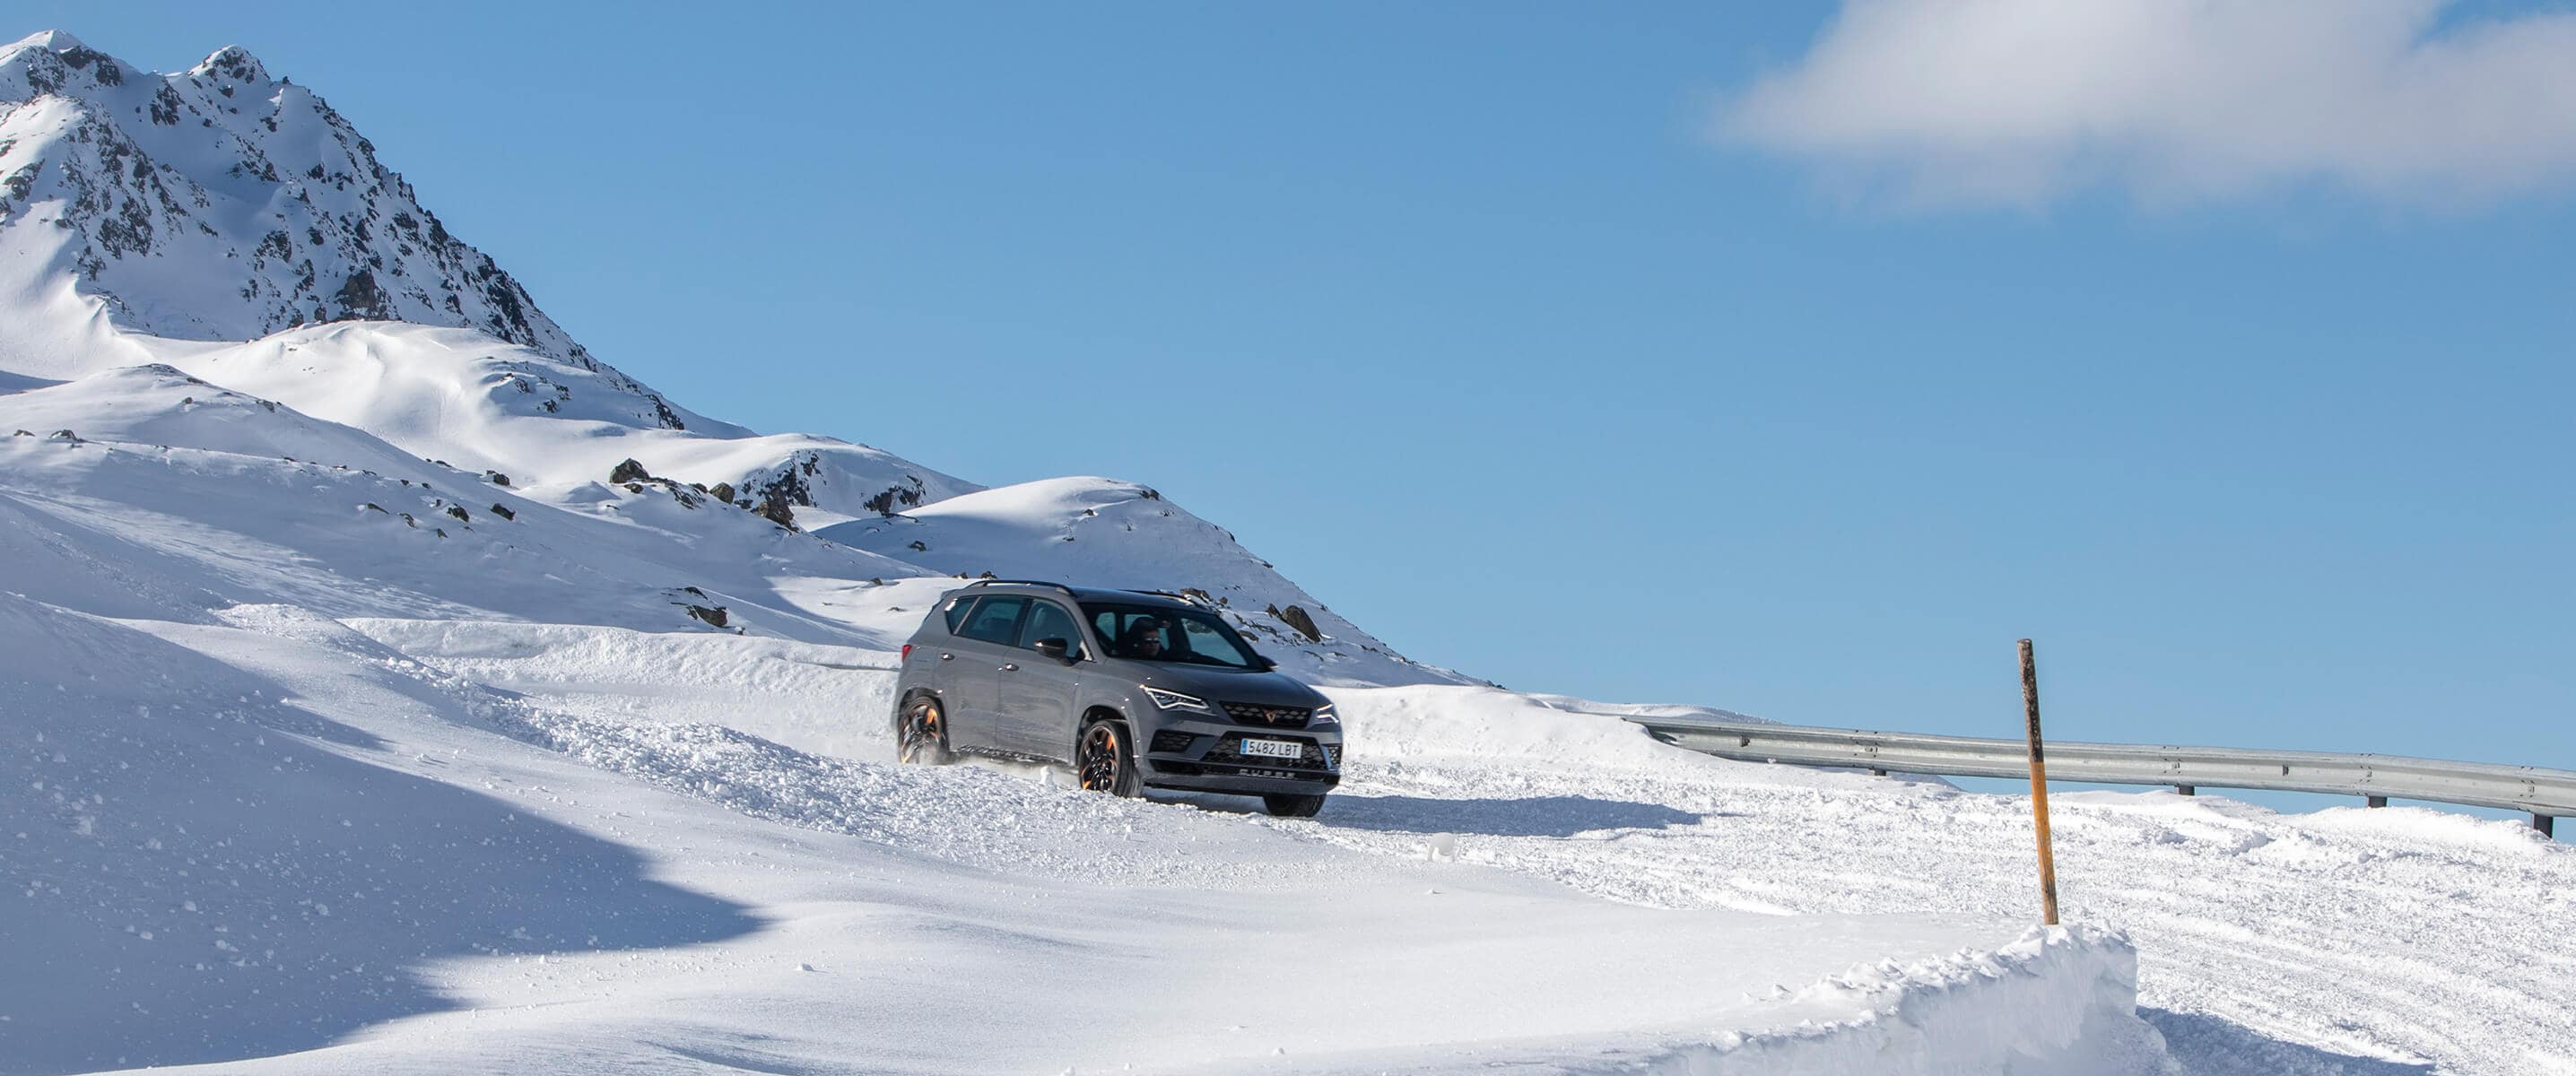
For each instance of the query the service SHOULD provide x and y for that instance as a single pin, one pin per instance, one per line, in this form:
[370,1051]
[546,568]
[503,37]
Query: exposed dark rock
[1299,619]
[888,500]
[920,547]
[722,491]
[789,486]
[629,471]
[775,509]
[17,184]
[663,414]
[503,511]
[458,511]
[165,106]
[497,478]
[714,616]
[373,506]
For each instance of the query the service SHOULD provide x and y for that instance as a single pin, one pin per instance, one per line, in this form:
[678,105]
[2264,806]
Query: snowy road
[2371,942]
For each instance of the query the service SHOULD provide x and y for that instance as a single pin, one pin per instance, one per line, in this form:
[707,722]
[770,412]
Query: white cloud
[2022,102]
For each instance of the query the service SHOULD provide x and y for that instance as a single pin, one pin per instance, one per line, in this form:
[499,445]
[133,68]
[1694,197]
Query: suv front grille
[1277,717]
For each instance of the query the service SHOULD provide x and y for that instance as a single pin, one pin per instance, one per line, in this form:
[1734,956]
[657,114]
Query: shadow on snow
[194,870]
[1534,816]
[2209,1046]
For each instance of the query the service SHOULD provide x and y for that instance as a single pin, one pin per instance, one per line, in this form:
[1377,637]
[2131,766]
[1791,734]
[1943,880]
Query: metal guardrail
[2545,793]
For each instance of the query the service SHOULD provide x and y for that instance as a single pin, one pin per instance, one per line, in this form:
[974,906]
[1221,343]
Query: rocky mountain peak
[219,204]
[231,62]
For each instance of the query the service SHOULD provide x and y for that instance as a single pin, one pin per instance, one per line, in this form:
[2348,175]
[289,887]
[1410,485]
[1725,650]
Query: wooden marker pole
[2038,786]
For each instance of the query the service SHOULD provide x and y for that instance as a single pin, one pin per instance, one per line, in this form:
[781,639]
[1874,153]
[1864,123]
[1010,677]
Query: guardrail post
[2038,786]
[2374,801]
[2186,790]
[2546,824]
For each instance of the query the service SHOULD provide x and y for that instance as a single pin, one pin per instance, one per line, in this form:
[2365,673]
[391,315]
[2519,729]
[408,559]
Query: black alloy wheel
[921,734]
[1106,762]
[1293,806]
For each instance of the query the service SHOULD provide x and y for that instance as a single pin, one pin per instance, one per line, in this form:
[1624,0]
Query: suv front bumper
[1212,760]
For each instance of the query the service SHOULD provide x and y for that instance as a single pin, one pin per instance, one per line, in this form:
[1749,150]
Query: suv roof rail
[1172,595]
[1025,583]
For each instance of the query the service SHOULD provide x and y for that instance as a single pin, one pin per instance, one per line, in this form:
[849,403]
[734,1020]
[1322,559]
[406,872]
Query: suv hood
[1228,685]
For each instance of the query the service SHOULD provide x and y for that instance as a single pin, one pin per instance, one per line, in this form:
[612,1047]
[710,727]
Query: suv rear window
[956,611]
[995,620]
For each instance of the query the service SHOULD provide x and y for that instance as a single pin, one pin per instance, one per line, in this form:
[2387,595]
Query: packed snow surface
[276,842]
[354,718]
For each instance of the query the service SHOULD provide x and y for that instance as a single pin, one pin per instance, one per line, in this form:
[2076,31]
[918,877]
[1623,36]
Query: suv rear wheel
[921,734]
[1293,806]
[1106,761]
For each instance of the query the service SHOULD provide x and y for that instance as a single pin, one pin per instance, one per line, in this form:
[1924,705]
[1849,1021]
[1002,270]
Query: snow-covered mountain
[226,225]
[231,224]
[219,203]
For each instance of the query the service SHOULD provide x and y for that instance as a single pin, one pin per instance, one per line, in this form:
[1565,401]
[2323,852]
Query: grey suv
[1133,689]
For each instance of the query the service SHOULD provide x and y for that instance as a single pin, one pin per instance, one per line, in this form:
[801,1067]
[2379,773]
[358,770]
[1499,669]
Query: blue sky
[1539,368]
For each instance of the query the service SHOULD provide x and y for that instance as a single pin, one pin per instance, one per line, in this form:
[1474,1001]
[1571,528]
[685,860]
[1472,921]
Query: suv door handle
[1010,666]
[945,657]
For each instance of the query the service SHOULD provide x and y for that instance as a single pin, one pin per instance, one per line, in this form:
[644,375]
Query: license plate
[1273,748]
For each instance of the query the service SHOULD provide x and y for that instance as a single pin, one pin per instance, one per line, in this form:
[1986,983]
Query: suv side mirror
[1268,663]
[1058,649]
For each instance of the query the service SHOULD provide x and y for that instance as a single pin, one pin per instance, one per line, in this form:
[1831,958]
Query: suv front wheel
[921,734]
[1106,761]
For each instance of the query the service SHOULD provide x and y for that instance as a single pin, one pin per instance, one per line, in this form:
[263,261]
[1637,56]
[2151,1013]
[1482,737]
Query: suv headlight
[1174,700]
[1324,717]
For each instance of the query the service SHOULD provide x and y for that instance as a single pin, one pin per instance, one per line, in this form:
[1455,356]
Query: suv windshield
[1162,633]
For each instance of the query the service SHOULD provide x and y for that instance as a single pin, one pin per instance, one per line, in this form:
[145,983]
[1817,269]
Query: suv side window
[995,620]
[1047,620]
[1112,626]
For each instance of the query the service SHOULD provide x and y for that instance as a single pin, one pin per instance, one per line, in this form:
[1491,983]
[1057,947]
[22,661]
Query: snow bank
[2058,1001]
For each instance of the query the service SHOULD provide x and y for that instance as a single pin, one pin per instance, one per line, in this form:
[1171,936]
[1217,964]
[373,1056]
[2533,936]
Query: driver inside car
[1143,639]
